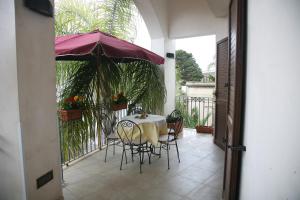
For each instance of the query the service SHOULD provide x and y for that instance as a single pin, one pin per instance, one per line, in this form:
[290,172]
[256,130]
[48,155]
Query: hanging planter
[116,107]
[72,109]
[68,115]
[119,102]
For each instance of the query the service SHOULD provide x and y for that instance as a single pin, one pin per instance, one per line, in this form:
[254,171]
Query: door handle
[237,147]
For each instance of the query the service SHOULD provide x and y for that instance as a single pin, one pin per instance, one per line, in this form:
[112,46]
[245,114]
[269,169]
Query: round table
[151,127]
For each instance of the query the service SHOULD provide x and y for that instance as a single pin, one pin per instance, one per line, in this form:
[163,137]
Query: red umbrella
[85,46]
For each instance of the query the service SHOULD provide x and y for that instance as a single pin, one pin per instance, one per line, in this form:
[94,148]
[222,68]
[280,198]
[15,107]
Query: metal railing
[196,109]
[81,137]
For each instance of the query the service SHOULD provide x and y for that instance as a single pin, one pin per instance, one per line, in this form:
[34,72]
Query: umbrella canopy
[85,46]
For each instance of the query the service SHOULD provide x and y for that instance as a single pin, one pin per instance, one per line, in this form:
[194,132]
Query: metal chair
[171,139]
[131,137]
[135,110]
[108,128]
[175,114]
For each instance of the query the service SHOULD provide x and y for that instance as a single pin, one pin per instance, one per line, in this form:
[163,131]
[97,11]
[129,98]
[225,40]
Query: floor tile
[197,176]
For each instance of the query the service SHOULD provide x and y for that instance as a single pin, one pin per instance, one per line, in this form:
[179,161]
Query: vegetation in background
[187,67]
[189,120]
[111,16]
[204,121]
[141,81]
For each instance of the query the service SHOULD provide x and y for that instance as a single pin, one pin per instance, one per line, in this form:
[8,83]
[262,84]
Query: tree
[187,67]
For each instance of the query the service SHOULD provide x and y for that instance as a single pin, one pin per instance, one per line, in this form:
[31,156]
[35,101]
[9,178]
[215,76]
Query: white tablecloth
[151,127]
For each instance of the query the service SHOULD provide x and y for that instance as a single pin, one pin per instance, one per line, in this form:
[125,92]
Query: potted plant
[171,121]
[71,108]
[119,102]
[202,128]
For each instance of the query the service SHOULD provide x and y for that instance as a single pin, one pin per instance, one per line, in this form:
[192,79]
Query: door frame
[240,94]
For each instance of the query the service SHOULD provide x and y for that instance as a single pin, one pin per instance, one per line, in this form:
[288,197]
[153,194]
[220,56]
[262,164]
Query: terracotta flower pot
[204,129]
[116,107]
[68,115]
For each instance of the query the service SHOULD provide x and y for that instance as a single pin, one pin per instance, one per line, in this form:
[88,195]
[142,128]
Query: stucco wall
[271,164]
[200,91]
[167,20]
[28,130]
[12,185]
[190,18]
[37,97]
[161,47]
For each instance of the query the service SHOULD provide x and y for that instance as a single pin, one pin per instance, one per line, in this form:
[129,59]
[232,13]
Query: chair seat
[136,141]
[171,131]
[113,136]
[164,138]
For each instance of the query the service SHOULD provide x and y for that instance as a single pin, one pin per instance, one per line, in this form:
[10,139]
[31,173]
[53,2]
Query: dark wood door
[236,43]
[221,93]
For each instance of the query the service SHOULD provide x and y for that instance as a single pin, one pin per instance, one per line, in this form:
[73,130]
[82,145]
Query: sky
[203,48]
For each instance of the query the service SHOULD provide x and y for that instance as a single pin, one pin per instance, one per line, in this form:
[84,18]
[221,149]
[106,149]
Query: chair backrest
[129,132]
[107,124]
[136,110]
[178,126]
[176,114]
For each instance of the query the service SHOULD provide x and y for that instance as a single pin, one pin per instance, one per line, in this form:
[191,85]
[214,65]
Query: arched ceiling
[219,7]
[152,18]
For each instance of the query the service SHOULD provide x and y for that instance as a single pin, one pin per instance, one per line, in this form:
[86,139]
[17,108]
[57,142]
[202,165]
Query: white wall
[155,15]
[200,91]
[12,184]
[29,134]
[161,47]
[191,18]
[271,164]
[167,20]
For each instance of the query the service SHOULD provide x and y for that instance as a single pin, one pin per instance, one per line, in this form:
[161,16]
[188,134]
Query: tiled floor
[198,176]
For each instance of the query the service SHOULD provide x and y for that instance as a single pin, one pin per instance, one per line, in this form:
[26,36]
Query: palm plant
[96,80]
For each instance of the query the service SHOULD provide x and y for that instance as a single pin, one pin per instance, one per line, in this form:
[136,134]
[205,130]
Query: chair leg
[149,153]
[177,151]
[114,147]
[106,150]
[140,161]
[168,155]
[125,156]
[132,153]
[160,151]
[122,158]
[143,152]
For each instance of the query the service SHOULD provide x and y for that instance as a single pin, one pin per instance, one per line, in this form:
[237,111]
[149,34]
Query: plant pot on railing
[116,107]
[204,129]
[71,108]
[119,102]
[68,115]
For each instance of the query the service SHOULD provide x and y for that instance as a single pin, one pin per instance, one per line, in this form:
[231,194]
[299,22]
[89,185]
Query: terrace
[198,176]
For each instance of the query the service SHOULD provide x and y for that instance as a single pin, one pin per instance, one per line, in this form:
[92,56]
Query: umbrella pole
[98,107]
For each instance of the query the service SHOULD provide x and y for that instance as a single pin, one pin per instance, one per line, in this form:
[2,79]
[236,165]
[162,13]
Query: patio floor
[198,176]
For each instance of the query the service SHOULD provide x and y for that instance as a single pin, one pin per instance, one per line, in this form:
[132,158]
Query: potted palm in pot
[202,128]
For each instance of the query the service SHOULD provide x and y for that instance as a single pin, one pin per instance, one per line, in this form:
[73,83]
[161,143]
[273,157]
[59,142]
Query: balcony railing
[81,137]
[195,109]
